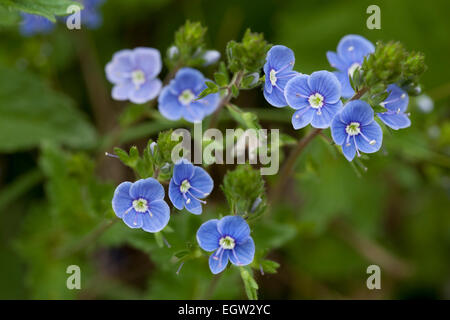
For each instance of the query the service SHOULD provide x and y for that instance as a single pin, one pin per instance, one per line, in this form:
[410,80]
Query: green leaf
[242,187]
[270,266]
[159,239]
[379,109]
[47,8]
[249,54]
[211,88]
[250,81]
[31,112]
[251,287]
[221,79]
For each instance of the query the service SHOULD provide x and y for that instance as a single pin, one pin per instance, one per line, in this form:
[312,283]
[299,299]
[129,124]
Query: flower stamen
[138,78]
[186,97]
[140,205]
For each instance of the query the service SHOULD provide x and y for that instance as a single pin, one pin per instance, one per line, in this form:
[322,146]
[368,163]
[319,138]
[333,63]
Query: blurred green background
[57,119]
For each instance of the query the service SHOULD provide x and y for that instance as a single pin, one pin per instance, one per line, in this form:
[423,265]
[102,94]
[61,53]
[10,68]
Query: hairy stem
[236,81]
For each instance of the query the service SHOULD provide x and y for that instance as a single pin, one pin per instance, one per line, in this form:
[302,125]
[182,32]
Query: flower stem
[235,81]
[289,165]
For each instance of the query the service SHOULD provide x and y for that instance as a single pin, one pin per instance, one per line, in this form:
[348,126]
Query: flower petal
[372,132]
[218,263]
[209,103]
[335,61]
[346,88]
[397,100]
[122,91]
[325,83]
[201,182]
[302,117]
[148,60]
[146,92]
[182,170]
[175,195]
[338,130]
[193,112]
[159,217]
[235,227]
[244,253]
[276,98]
[120,67]
[349,150]
[357,111]
[133,219]
[297,92]
[327,113]
[188,78]
[169,105]
[122,200]
[208,236]
[353,48]
[395,121]
[280,57]
[193,205]
[149,189]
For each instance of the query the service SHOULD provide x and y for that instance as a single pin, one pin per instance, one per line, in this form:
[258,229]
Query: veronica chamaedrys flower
[141,204]
[316,99]
[230,239]
[189,184]
[396,104]
[133,73]
[355,129]
[278,70]
[350,54]
[34,24]
[179,98]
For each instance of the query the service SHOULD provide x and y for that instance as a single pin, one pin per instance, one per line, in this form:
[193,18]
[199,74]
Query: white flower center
[138,78]
[186,97]
[273,77]
[316,100]
[353,129]
[353,68]
[140,205]
[185,186]
[227,242]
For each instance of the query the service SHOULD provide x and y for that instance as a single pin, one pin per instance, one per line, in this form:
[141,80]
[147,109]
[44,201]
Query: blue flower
[133,73]
[278,70]
[141,204]
[396,104]
[34,24]
[230,239]
[188,185]
[90,15]
[316,99]
[178,99]
[351,51]
[355,129]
